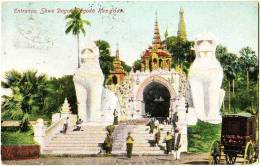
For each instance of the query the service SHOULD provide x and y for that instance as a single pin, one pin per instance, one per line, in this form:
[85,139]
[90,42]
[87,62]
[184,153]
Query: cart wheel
[249,153]
[231,158]
[215,153]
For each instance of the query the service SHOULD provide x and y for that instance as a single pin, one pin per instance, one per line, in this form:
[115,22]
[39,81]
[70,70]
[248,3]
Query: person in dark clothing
[157,136]
[115,117]
[65,126]
[108,144]
[129,145]
[174,120]
[151,125]
[78,125]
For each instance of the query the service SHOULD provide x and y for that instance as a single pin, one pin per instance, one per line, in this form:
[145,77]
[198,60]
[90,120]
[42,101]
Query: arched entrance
[140,105]
[156,98]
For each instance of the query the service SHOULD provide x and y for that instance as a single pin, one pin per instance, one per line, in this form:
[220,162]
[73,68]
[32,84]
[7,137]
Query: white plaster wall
[109,103]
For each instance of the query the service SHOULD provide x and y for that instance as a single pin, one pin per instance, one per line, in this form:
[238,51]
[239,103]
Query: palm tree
[27,97]
[75,25]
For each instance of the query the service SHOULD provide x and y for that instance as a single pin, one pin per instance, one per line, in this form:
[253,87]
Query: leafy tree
[181,51]
[64,88]
[235,69]
[104,47]
[75,25]
[229,64]
[248,62]
[106,60]
[137,65]
[126,67]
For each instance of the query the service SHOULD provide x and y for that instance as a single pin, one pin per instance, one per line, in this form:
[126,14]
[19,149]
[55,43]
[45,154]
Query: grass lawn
[17,138]
[201,136]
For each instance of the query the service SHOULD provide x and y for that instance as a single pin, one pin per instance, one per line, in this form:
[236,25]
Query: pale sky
[38,40]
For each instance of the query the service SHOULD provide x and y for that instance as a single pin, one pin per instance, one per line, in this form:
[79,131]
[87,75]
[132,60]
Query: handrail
[51,131]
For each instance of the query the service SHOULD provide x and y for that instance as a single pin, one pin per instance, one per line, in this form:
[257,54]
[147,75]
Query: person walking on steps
[65,126]
[176,143]
[157,135]
[129,145]
[168,141]
[108,144]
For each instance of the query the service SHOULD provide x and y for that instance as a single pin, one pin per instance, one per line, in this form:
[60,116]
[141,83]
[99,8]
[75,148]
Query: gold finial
[156,35]
[117,50]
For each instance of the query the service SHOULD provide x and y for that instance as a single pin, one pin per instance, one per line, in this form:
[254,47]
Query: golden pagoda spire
[117,51]
[156,34]
[181,34]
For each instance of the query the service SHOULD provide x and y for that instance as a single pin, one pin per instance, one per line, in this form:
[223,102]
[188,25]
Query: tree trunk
[78,51]
[233,86]
[229,96]
[223,106]
[247,79]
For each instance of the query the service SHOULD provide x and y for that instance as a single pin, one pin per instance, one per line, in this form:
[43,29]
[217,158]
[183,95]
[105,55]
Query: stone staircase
[143,144]
[77,142]
[87,142]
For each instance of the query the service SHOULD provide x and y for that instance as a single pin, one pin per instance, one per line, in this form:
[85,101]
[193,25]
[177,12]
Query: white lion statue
[205,78]
[88,81]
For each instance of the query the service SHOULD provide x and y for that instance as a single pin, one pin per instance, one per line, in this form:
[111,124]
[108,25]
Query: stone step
[140,152]
[73,145]
[58,142]
[69,152]
[77,140]
[82,134]
[72,148]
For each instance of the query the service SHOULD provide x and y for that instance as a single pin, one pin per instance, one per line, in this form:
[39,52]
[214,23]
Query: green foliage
[126,67]
[201,136]
[35,96]
[28,92]
[240,74]
[104,47]
[137,65]
[110,129]
[64,89]
[75,23]
[248,58]
[17,138]
[181,51]
[106,60]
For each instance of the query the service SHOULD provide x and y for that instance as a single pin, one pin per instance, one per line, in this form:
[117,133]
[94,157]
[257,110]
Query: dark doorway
[157,100]
[114,79]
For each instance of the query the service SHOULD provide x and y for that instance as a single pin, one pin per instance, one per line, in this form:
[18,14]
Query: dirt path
[199,158]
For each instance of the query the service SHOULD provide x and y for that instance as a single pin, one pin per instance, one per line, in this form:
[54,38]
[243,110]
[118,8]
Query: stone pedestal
[39,132]
[55,117]
[182,124]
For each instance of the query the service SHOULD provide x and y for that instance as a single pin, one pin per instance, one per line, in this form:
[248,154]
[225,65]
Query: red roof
[148,53]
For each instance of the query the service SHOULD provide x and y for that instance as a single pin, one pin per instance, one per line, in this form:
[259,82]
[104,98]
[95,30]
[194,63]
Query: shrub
[9,138]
